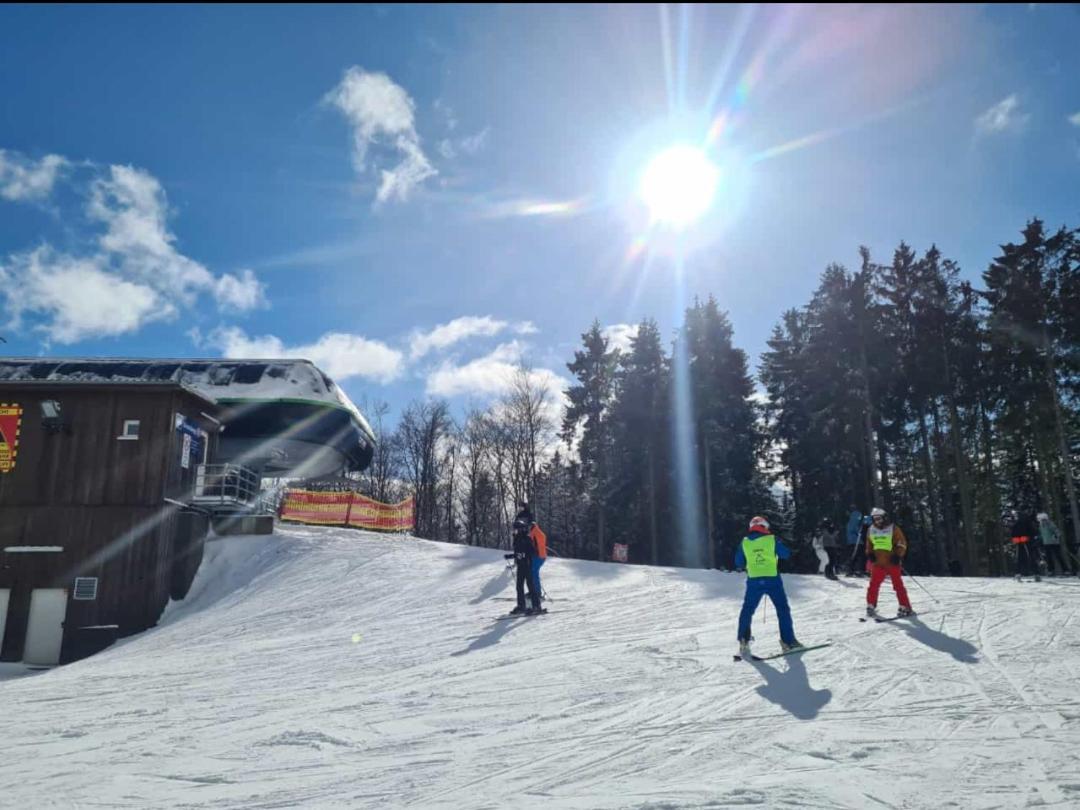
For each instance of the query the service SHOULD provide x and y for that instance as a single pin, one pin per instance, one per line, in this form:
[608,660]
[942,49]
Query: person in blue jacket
[854,538]
[759,553]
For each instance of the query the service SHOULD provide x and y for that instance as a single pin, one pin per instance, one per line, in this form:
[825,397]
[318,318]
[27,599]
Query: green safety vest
[881,539]
[760,556]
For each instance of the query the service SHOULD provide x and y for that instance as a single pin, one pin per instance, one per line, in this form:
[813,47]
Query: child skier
[759,553]
[885,547]
[540,544]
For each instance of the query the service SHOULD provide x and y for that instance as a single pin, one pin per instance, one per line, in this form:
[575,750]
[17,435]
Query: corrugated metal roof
[215,379]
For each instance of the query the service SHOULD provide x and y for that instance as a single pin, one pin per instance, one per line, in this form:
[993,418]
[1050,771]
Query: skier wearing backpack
[759,553]
[886,547]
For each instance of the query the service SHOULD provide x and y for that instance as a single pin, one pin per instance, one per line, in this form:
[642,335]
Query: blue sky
[419,197]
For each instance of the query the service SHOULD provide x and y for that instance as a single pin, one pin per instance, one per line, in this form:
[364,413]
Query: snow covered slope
[330,668]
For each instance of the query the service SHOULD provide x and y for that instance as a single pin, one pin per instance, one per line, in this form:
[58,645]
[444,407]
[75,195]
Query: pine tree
[591,398]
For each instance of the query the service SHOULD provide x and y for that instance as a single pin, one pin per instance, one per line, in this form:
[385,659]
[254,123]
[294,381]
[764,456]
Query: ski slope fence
[347,509]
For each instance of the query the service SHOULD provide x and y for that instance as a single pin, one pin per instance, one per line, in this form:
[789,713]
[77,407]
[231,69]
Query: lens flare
[679,185]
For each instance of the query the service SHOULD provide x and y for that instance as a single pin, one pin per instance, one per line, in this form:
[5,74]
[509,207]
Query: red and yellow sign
[10,422]
[346,509]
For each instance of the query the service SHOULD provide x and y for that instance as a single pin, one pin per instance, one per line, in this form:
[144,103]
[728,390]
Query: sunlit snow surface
[332,668]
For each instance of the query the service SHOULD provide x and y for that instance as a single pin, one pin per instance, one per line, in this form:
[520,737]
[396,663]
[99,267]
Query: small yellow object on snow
[355,638]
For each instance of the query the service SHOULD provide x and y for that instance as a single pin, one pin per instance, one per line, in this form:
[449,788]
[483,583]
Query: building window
[131,430]
[85,589]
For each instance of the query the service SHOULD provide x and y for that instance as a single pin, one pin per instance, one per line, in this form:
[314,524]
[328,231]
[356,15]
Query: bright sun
[678,185]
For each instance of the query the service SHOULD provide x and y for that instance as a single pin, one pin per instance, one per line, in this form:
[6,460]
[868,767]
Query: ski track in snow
[335,668]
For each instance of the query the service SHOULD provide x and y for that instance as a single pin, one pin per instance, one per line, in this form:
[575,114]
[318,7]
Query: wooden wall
[104,501]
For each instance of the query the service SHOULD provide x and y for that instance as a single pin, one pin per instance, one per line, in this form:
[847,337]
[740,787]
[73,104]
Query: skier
[830,539]
[1024,539]
[886,546]
[759,553]
[540,543]
[524,553]
[854,537]
[1051,543]
[818,543]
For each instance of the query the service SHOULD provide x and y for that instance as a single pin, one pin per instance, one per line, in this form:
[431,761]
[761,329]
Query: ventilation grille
[85,588]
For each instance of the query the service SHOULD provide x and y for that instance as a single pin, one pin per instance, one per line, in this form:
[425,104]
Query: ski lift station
[113,471]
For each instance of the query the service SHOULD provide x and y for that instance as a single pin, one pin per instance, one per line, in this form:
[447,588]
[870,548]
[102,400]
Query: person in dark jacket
[525,552]
[1025,538]
[830,539]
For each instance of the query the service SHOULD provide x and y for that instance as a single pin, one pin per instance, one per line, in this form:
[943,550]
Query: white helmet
[1043,516]
[877,511]
[758,523]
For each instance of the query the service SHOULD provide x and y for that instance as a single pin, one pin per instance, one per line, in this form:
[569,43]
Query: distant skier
[854,541]
[818,544]
[886,546]
[830,539]
[1051,543]
[1023,536]
[525,552]
[759,553]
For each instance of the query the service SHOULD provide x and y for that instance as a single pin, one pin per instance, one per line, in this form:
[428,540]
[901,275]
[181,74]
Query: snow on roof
[216,379]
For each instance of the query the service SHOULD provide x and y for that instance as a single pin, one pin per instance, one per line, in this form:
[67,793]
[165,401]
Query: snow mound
[334,668]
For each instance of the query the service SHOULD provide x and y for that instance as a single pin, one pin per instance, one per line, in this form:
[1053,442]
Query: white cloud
[382,114]
[339,354]
[457,330]
[414,169]
[21,179]
[447,112]
[1074,119]
[1003,116]
[240,293]
[619,335]
[474,143]
[129,275]
[80,297]
[489,376]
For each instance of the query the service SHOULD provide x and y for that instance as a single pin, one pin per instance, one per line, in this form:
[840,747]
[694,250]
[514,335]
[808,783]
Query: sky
[418,198]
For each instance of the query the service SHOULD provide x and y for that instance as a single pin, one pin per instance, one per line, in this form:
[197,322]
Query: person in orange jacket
[886,548]
[540,544]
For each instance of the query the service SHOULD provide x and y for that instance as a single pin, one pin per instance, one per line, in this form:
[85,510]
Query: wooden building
[96,525]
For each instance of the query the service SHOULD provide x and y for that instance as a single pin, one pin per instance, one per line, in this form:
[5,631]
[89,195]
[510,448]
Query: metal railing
[225,485]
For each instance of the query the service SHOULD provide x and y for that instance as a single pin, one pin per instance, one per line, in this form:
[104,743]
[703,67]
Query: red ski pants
[877,576]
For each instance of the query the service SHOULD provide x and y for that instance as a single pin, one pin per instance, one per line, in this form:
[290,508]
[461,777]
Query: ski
[788,652]
[542,612]
[883,619]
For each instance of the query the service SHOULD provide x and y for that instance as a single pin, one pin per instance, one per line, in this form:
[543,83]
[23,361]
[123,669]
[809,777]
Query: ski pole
[921,586]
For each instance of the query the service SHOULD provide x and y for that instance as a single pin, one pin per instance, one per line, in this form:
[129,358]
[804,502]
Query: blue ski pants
[537,562]
[756,589]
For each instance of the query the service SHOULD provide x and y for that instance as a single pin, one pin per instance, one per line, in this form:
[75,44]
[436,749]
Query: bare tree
[418,441]
[526,415]
[382,473]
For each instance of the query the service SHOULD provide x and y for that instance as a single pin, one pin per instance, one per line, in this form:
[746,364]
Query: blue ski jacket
[854,527]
